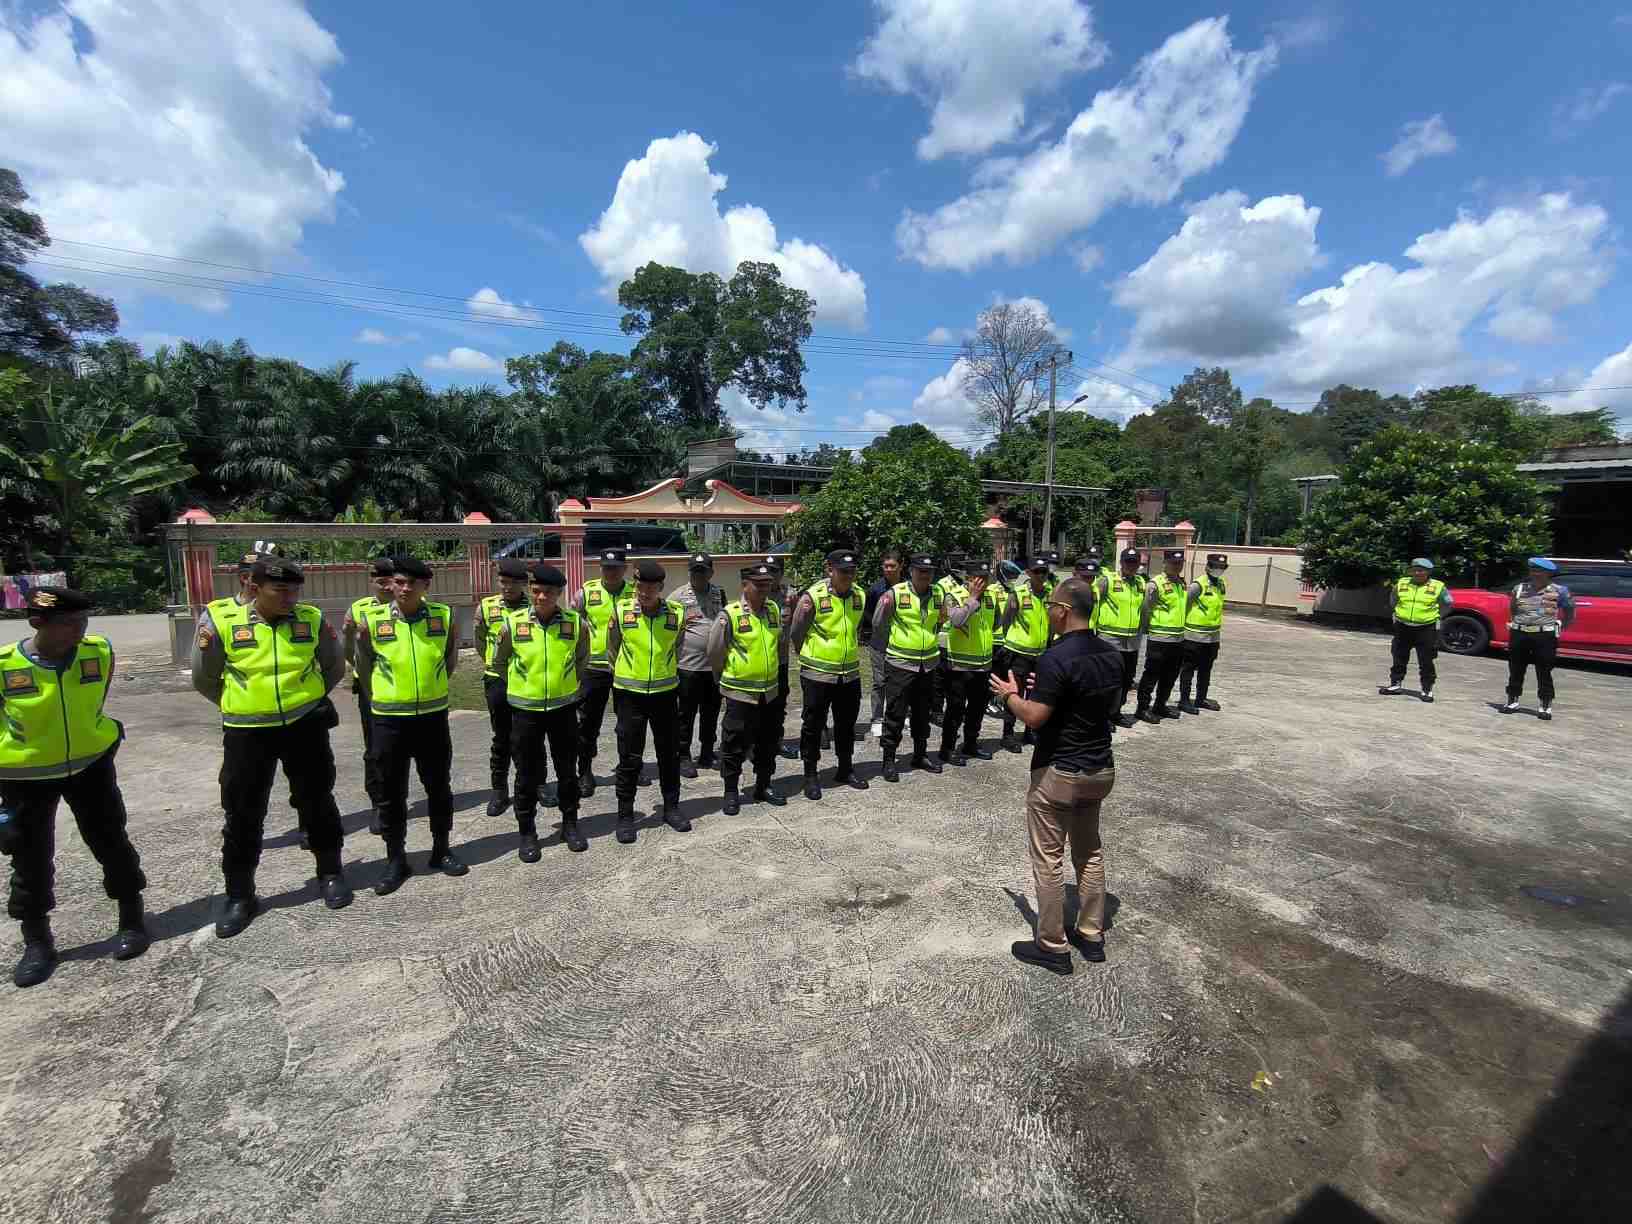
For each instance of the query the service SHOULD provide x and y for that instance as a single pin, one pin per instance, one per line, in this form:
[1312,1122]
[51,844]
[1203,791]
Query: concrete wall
[1258,577]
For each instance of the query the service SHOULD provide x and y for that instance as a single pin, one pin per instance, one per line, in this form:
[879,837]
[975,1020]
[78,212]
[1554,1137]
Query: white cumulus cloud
[373,335]
[180,129]
[1613,372]
[1419,138]
[944,407]
[465,361]
[976,62]
[1174,117]
[1110,400]
[665,209]
[488,302]
[1220,288]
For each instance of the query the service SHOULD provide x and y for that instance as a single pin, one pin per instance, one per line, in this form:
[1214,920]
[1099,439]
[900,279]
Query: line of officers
[270,663]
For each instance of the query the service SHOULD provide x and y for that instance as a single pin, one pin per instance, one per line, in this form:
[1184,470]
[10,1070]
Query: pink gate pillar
[1126,532]
[999,533]
[198,564]
[481,558]
[572,544]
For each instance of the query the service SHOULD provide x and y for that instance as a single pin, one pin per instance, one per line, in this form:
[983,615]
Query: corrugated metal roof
[1578,465]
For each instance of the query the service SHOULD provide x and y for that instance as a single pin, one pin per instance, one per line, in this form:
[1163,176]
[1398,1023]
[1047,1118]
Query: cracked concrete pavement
[1322,971]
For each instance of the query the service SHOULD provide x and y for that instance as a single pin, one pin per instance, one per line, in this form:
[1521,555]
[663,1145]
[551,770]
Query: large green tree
[42,322]
[1408,493]
[700,334]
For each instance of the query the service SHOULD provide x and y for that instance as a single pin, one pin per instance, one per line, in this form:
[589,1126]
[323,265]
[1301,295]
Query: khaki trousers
[1061,807]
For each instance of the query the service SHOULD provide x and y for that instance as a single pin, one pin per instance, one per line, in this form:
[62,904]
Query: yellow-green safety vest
[833,643]
[599,604]
[971,645]
[410,661]
[648,648]
[915,626]
[1028,631]
[1118,612]
[54,726]
[753,662]
[1207,610]
[493,612]
[543,671]
[1417,605]
[272,677]
[1167,612]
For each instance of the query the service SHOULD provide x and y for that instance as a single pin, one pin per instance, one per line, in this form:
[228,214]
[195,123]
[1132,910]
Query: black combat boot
[813,785]
[499,799]
[527,846]
[672,816]
[131,939]
[397,870]
[1010,743]
[976,753]
[891,773]
[626,822]
[1144,715]
[764,792]
[376,820]
[733,801]
[1186,706]
[688,767]
[238,909]
[847,777]
[571,834]
[586,782]
[443,859]
[39,954]
[709,759]
[922,760]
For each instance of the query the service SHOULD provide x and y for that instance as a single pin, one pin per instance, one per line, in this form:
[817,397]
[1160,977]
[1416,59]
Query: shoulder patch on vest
[435,626]
[592,596]
[745,623]
[568,630]
[300,631]
[524,631]
[386,630]
[826,605]
[631,617]
[21,680]
[90,669]
[243,635]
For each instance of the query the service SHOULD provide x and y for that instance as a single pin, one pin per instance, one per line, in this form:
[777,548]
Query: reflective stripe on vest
[648,648]
[410,661]
[1417,605]
[752,662]
[1167,611]
[833,644]
[599,604]
[1207,612]
[272,677]
[914,626]
[971,645]
[1028,632]
[1122,606]
[54,726]
[543,671]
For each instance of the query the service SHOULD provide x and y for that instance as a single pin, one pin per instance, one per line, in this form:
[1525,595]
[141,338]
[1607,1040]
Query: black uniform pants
[937,696]
[423,741]
[1523,650]
[1197,665]
[749,730]
[1022,668]
[635,712]
[531,731]
[699,707]
[1130,668]
[1163,658]
[250,760]
[1424,639]
[778,709]
[371,771]
[966,694]
[99,811]
[597,688]
[843,697]
[906,692]
[498,716]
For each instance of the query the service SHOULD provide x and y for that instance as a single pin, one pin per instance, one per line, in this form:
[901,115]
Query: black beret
[412,567]
[842,558]
[276,569]
[512,567]
[702,561]
[1037,563]
[921,561]
[614,556]
[384,567]
[650,571]
[1173,554]
[1218,559]
[759,570]
[1130,554]
[49,601]
[546,574]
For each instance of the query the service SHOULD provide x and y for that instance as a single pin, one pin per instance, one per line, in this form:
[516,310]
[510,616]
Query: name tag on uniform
[243,635]
[826,605]
[745,623]
[856,603]
[90,669]
[524,631]
[300,631]
[592,597]
[671,621]
[1025,601]
[386,630]
[568,630]
[631,617]
[436,627]
[21,680]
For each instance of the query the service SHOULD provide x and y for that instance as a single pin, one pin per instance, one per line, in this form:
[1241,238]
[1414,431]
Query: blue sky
[1392,195]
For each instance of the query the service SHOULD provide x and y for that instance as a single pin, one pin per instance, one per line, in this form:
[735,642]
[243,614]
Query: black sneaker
[1032,953]
[1091,949]
[1428,696]
[977,753]
[790,752]
[1545,713]
[1389,689]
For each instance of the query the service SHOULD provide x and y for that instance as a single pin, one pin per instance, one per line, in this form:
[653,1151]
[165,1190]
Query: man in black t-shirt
[1076,689]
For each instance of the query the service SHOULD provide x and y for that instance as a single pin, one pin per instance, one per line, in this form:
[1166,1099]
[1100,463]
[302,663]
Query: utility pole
[1048,479]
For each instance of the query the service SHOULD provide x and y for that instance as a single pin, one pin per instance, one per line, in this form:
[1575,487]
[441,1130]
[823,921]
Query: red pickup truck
[1602,628]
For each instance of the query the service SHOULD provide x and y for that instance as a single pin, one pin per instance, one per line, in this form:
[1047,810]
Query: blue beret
[1422,561]
[1542,563]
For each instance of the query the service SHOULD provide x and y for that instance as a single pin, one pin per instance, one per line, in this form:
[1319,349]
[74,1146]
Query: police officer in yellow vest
[1025,637]
[748,649]
[1166,598]
[382,578]
[948,584]
[490,618]
[970,613]
[643,640]
[57,743]
[271,668]
[1119,614]
[406,654]
[1418,600]
[542,651]
[909,622]
[596,603]
[826,635]
[1203,627]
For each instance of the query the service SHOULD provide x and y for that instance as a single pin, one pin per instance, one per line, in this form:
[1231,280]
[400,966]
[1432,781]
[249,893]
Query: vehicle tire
[1464,635]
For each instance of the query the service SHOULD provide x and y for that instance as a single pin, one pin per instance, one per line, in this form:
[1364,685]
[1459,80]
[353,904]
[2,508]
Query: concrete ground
[1323,971]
